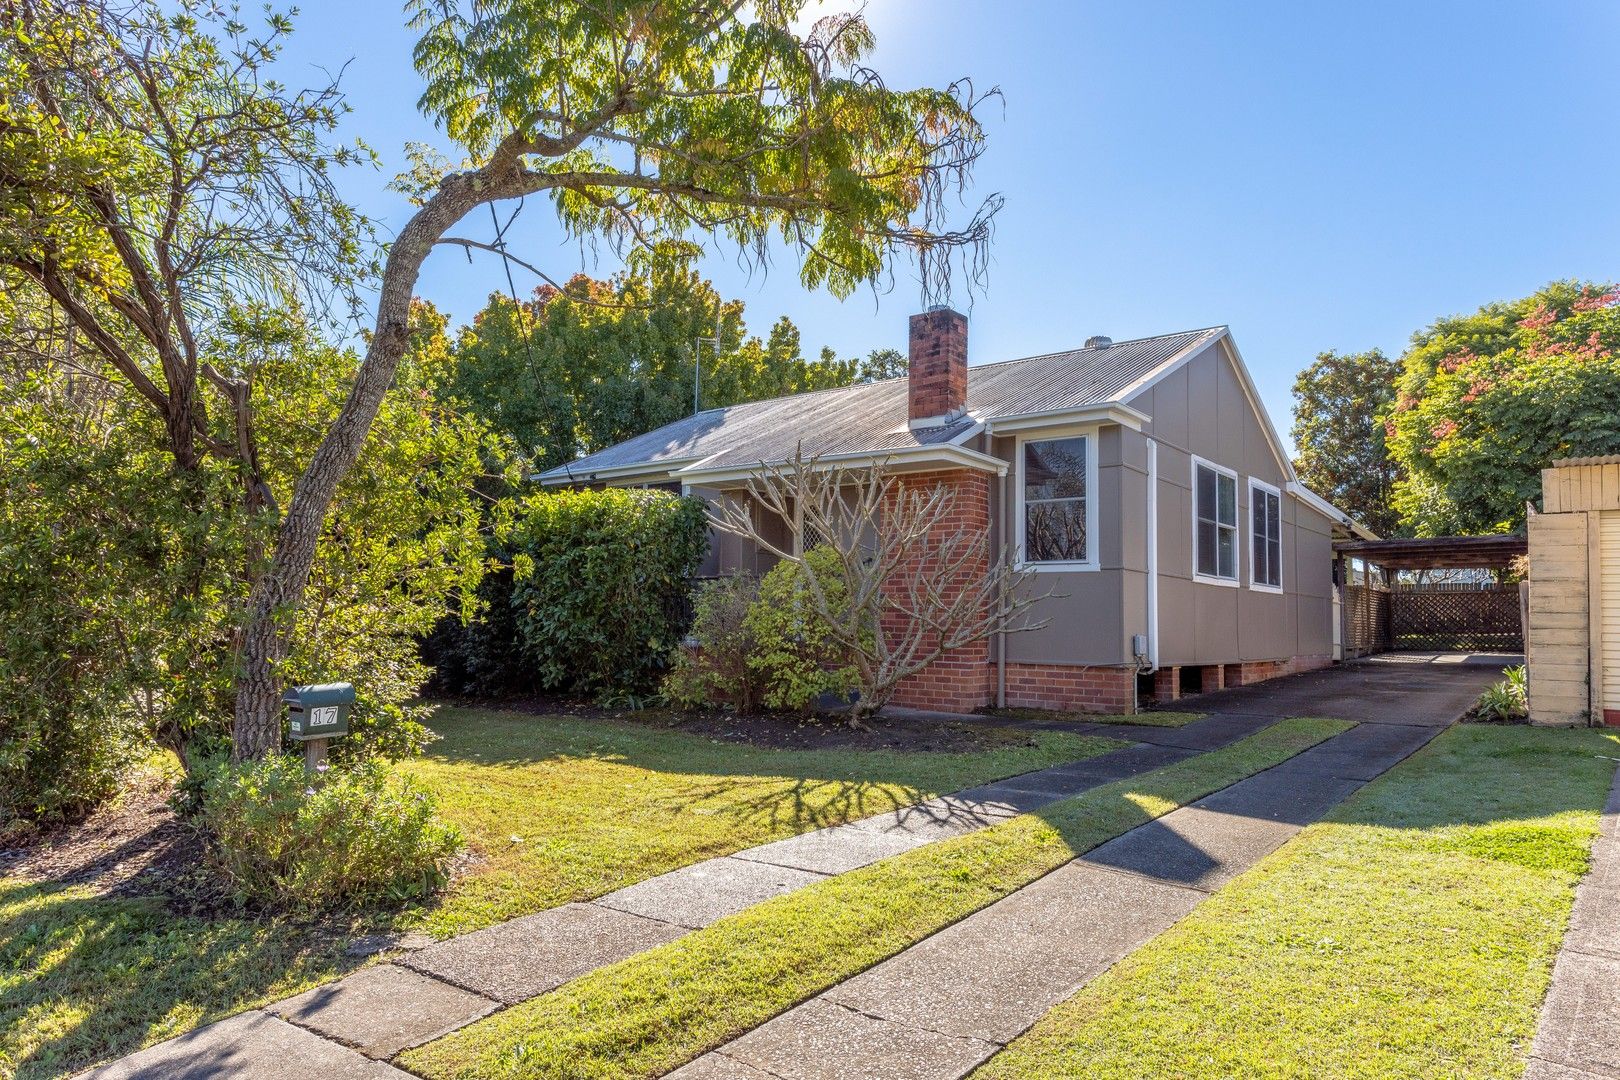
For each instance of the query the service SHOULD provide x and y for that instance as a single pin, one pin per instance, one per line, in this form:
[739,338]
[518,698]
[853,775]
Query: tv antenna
[697,364]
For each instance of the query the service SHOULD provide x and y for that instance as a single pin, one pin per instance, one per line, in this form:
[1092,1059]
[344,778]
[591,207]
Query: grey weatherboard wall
[1199,623]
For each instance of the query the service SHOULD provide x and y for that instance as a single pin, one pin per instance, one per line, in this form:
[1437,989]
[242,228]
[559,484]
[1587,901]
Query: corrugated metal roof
[871,417]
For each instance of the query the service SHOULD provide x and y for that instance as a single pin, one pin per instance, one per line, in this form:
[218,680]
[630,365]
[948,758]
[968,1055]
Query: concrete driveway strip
[251,1044]
[514,961]
[966,991]
[1579,1033]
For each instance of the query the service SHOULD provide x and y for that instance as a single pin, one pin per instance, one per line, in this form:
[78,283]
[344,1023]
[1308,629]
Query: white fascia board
[1244,379]
[1176,363]
[1107,412]
[907,458]
[646,471]
[1328,510]
[1260,410]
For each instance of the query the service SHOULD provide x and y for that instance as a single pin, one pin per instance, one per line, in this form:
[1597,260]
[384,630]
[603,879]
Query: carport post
[1344,606]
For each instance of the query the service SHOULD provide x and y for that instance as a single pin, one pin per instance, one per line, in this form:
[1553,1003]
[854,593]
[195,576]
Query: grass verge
[558,809]
[83,977]
[1410,933]
[661,1008]
[561,809]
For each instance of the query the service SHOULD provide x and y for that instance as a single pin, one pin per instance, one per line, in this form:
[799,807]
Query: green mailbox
[318,712]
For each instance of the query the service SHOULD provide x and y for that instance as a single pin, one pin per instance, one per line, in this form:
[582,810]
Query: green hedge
[600,585]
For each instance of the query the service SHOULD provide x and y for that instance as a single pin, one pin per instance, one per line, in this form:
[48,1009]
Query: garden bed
[821,731]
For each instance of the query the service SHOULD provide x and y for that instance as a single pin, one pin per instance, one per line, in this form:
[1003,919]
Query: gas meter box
[320,711]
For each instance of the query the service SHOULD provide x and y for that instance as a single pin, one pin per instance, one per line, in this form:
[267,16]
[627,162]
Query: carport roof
[1438,552]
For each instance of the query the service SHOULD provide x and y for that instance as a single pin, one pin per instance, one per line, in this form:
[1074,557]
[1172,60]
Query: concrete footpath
[942,1007]
[1579,1034]
[352,1027]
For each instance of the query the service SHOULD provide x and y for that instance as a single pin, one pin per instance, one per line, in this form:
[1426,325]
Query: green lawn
[558,809]
[1410,934]
[568,809]
[654,1011]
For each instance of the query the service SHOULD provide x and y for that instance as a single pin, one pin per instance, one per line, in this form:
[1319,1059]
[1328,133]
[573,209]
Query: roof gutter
[909,458]
[564,474]
[1108,412]
[1329,511]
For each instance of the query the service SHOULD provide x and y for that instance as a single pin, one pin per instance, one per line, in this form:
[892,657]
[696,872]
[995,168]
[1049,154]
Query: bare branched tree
[916,584]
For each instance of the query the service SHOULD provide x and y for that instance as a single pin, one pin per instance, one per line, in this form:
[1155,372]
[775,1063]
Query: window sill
[1224,582]
[1275,590]
[1057,567]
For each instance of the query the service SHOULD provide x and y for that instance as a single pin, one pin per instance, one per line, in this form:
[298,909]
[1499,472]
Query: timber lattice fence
[1443,616]
[1484,619]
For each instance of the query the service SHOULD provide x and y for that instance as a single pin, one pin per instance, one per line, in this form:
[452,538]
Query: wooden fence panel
[1366,620]
[1486,619]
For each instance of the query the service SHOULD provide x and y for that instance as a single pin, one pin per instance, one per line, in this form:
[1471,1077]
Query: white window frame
[1256,484]
[1093,541]
[1236,581]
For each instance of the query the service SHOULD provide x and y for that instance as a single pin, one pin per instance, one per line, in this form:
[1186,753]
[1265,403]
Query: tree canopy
[1485,401]
[154,177]
[1338,433]
[580,368]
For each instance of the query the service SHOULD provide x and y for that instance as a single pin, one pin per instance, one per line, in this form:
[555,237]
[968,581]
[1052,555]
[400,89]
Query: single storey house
[1141,480]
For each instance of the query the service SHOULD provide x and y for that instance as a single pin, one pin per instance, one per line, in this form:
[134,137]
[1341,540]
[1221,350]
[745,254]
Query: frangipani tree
[907,585]
[661,128]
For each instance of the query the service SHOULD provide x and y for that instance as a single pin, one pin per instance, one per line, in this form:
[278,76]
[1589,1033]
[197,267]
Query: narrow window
[1215,519]
[1055,500]
[1266,503]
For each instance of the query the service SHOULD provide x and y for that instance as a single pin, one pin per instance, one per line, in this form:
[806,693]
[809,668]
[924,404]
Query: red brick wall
[964,679]
[937,370]
[1086,689]
[1167,680]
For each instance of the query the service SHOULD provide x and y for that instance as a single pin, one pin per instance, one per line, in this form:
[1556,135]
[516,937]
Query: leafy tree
[151,173]
[1487,400]
[881,364]
[580,368]
[1338,434]
[123,588]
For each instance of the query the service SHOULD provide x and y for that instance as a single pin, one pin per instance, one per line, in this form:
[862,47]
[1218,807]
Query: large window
[1054,475]
[1265,504]
[1215,523]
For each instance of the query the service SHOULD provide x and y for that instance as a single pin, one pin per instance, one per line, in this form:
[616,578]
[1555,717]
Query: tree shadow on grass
[89,978]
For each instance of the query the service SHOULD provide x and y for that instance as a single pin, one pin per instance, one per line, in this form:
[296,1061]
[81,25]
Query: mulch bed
[779,732]
[133,846]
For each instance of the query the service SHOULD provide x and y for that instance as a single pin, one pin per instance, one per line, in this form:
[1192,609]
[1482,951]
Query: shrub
[600,585]
[1505,701]
[795,657]
[307,843]
[479,656]
[719,670]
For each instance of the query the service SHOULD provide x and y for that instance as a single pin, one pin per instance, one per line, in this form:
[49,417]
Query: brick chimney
[937,370]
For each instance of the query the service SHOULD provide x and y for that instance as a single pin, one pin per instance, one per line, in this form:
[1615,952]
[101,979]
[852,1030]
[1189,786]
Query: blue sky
[1317,176]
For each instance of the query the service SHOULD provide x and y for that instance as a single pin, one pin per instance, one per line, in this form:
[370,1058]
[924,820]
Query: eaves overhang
[1105,412]
[903,459]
